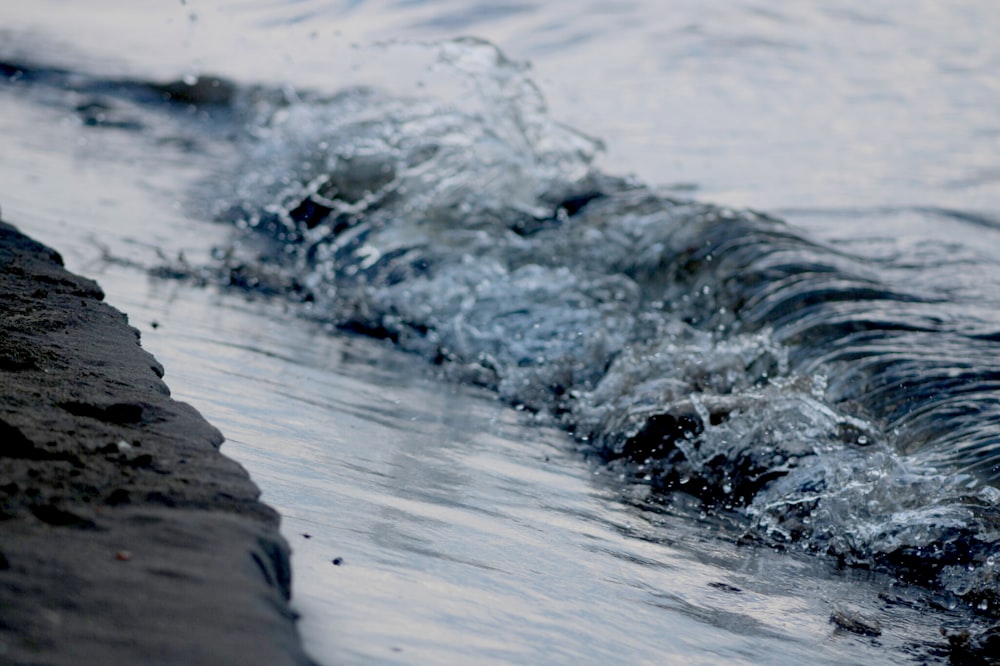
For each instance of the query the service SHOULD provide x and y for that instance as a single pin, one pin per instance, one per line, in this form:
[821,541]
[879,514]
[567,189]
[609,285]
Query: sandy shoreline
[125,536]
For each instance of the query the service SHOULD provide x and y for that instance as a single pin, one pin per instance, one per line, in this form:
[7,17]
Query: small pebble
[338,561]
[856,623]
[123,556]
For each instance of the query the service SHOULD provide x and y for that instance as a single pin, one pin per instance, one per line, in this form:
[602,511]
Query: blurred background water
[465,530]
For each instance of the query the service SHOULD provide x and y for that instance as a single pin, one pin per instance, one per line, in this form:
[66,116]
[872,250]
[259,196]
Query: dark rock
[206,578]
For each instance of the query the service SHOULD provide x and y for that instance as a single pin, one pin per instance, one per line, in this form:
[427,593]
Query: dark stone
[78,397]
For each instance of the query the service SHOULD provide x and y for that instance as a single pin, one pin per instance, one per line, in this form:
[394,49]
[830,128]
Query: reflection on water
[465,533]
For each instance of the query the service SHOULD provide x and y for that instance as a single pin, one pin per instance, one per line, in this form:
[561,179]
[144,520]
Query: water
[735,439]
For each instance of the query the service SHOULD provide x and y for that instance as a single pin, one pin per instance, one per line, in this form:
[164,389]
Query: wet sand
[126,537]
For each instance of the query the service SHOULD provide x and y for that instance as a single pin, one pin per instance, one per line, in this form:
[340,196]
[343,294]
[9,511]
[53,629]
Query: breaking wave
[834,403]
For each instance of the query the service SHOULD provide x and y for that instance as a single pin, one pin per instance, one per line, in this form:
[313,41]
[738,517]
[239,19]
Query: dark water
[822,389]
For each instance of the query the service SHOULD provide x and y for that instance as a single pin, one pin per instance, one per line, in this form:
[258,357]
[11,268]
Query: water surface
[469,531]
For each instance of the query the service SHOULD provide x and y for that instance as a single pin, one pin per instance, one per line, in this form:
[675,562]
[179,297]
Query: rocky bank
[126,537]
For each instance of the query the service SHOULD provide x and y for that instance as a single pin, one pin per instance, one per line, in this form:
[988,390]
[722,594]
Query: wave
[835,403]
[827,398]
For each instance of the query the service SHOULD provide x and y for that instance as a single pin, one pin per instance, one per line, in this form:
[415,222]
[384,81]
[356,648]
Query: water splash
[720,353]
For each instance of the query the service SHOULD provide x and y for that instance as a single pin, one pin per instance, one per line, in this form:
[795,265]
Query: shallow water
[470,531]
